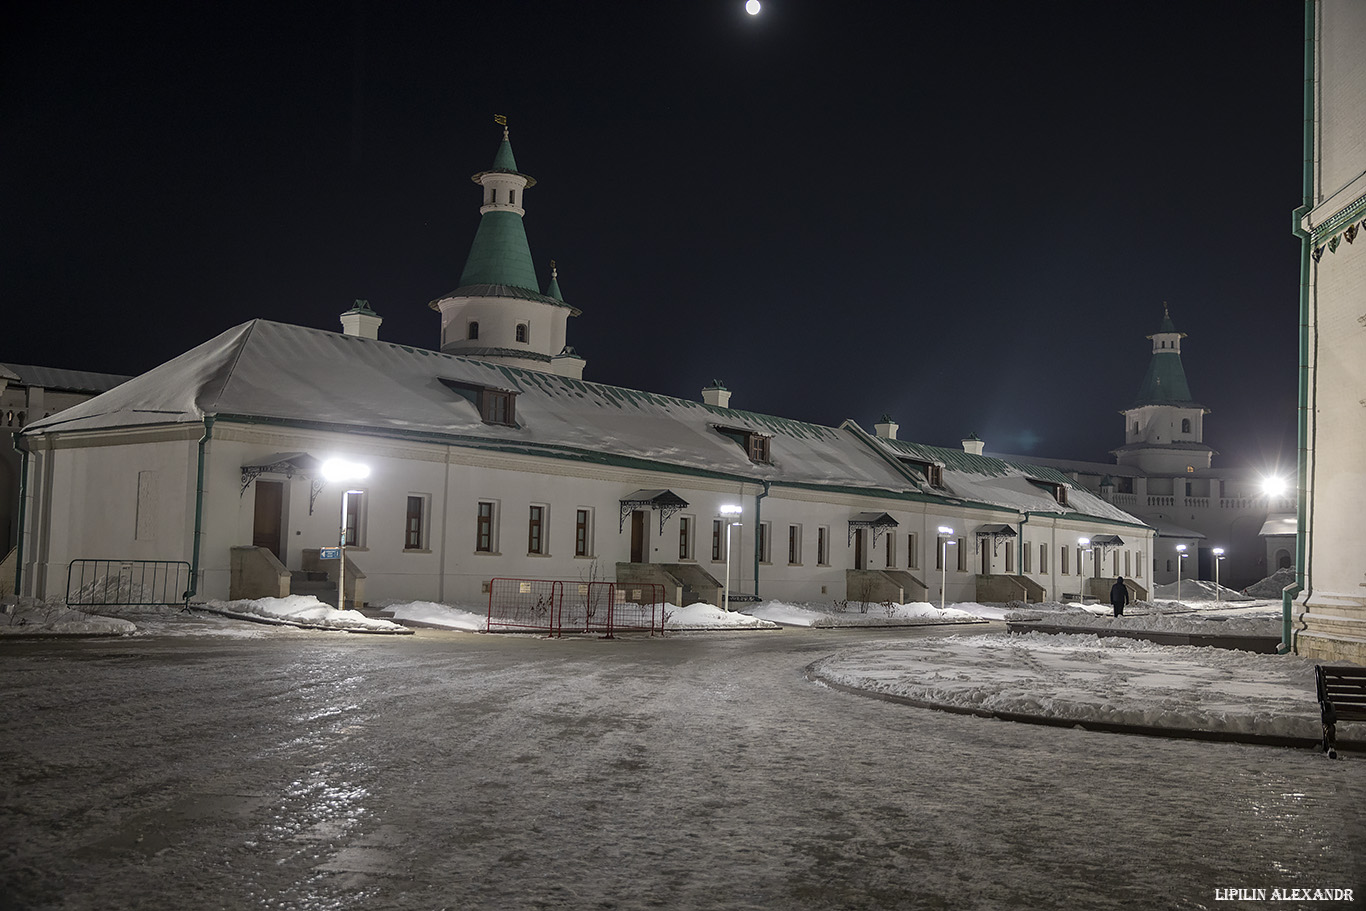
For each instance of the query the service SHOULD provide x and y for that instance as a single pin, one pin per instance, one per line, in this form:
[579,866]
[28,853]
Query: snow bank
[708,616]
[1197,590]
[37,618]
[1083,678]
[444,616]
[824,615]
[1272,585]
[305,611]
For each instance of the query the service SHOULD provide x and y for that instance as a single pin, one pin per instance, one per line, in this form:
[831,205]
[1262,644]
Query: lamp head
[945,530]
[341,470]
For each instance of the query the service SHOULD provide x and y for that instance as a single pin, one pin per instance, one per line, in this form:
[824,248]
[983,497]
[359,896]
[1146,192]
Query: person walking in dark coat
[1119,596]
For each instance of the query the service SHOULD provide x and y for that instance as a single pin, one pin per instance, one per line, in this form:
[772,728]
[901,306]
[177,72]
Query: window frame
[537,526]
[583,532]
[685,533]
[794,545]
[486,527]
[415,539]
[354,533]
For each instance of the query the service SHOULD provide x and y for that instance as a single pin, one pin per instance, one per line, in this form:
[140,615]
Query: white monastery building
[492,458]
[1330,589]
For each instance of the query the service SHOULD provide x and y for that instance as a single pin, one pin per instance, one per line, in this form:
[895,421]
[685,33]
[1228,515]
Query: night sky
[967,215]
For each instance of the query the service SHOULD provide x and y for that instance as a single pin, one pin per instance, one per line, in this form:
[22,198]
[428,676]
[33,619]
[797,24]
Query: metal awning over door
[665,501]
[288,464]
[997,534]
[877,521]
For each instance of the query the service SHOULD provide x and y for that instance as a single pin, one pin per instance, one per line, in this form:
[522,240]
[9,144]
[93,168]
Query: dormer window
[1056,490]
[496,406]
[473,332]
[932,472]
[755,444]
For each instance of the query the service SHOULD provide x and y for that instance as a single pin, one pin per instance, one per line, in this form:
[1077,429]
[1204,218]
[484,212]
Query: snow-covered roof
[56,378]
[275,372]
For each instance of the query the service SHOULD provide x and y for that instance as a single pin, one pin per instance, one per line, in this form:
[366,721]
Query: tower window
[1185,425]
[473,330]
[512,197]
[521,332]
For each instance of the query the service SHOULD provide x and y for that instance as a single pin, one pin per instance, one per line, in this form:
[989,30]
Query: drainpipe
[23,491]
[1291,592]
[758,514]
[199,509]
[1019,557]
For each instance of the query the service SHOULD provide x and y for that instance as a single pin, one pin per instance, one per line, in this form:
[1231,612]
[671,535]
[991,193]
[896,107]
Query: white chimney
[716,394]
[886,428]
[973,445]
[361,321]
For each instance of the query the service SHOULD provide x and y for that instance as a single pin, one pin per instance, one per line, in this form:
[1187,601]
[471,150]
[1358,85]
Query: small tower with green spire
[1164,428]
[498,312]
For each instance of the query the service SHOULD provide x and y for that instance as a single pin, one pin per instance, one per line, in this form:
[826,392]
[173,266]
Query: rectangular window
[763,542]
[413,524]
[1043,559]
[823,546]
[1128,557]
[962,557]
[1138,564]
[794,545]
[1062,563]
[535,531]
[685,538]
[483,539]
[758,448]
[354,504]
[913,550]
[581,533]
[497,407]
[1025,557]
[891,549]
[718,535]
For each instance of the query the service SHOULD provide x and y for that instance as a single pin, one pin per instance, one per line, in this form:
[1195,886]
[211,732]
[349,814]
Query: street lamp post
[1218,557]
[1180,559]
[944,533]
[730,514]
[340,470]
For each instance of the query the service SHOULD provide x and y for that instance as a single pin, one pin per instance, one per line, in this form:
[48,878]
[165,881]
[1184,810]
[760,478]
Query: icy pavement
[1105,681]
[306,770]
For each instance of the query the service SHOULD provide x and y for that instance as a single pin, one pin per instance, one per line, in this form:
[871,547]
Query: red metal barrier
[560,606]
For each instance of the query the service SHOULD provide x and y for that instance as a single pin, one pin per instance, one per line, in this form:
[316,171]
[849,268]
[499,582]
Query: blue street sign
[329,553]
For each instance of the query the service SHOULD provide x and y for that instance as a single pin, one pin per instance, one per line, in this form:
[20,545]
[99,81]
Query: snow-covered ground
[832,615]
[1089,679]
[305,611]
[1213,618]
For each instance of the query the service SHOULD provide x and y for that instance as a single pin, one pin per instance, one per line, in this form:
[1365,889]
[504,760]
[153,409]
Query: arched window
[521,332]
[474,329]
[1185,425]
[1282,559]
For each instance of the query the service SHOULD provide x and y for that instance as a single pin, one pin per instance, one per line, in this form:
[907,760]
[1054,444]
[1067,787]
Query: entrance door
[860,556]
[270,502]
[638,536]
[986,558]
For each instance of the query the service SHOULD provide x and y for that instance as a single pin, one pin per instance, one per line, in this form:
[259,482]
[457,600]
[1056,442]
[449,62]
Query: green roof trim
[500,254]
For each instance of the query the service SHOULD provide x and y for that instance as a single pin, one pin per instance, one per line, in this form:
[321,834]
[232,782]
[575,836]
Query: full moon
[752,7]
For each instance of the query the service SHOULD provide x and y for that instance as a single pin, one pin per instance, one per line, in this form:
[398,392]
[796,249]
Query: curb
[812,674]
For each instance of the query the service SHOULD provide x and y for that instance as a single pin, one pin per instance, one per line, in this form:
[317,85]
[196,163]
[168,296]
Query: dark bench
[1342,697]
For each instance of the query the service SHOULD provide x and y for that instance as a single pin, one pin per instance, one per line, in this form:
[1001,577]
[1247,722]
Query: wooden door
[269,517]
[986,558]
[638,536]
[860,558]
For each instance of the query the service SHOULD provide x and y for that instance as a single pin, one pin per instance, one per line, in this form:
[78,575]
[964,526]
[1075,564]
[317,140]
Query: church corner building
[1330,588]
[490,457]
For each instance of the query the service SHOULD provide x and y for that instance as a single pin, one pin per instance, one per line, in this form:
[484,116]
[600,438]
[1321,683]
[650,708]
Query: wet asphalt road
[447,770]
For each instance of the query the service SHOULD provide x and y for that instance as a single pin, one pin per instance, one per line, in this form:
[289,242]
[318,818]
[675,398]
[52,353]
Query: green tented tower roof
[500,254]
[1165,382]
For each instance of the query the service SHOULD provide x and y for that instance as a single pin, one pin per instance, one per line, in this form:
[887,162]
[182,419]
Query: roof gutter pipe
[758,526]
[1291,592]
[23,499]
[199,509]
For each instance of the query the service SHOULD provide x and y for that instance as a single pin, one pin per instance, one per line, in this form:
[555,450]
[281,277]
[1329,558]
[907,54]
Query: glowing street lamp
[1274,486]
[1181,556]
[1085,545]
[1218,557]
[337,471]
[730,514]
[944,534]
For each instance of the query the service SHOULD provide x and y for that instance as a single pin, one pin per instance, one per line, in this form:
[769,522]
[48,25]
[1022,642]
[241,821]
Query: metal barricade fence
[560,606]
[124,583]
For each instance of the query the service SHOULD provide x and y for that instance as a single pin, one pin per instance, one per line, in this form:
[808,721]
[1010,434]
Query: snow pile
[708,616]
[1083,678]
[305,611]
[430,613]
[1198,624]
[1272,585]
[1197,590]
[29,617]
[824,615]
